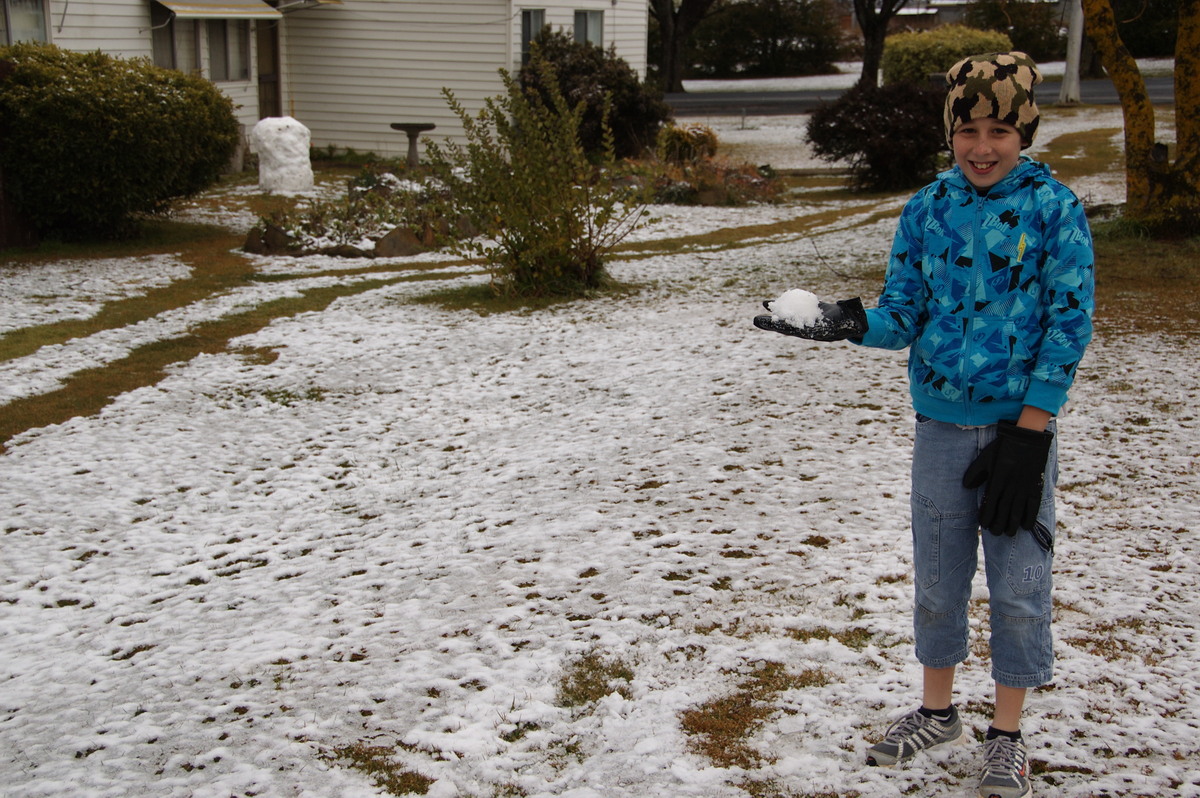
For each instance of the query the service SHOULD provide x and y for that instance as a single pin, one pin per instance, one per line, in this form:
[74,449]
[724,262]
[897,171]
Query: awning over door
[298,5]
[221,9]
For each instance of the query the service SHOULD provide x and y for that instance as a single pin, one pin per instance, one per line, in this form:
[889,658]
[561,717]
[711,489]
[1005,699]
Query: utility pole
[1069,93]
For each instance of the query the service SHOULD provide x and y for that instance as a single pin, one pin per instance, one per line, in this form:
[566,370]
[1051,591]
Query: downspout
[510,33]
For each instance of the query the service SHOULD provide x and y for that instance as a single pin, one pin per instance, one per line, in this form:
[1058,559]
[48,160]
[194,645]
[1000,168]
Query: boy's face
[986,150]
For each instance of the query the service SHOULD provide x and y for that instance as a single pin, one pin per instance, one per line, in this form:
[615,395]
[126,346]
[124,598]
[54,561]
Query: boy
[990,287]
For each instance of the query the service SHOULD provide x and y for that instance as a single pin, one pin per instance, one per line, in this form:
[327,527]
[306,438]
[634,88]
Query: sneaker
[1005,769]
[912,733]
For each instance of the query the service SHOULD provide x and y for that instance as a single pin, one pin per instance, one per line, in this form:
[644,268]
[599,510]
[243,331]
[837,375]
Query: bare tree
[676,21]
[873,18]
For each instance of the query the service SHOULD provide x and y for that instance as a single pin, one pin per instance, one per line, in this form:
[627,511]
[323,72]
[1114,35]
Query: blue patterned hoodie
[992,293]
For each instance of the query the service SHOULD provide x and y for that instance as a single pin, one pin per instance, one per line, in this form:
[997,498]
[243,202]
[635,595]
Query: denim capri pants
[946,538]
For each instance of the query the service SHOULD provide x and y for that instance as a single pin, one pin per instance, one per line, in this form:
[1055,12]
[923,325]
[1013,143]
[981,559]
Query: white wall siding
[352,70]
[625,26]
[116,27]
[245,101]
[630,32]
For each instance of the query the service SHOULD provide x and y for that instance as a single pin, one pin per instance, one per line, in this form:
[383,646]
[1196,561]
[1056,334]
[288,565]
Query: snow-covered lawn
[404,531]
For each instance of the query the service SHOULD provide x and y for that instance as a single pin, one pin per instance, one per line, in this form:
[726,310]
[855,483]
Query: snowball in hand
[797,307]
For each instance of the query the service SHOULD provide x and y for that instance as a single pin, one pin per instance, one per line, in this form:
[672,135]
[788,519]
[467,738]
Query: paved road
[783,103]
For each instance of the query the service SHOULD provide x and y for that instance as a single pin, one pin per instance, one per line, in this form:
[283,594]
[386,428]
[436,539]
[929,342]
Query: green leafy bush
[913,57]
[595,77]
[1037,29]
[766,38]
[548,215]
[892,136]
[1149,28]
[89,141]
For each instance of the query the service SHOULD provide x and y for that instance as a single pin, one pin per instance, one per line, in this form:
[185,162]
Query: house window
[589,27]
[175,43]
[532,22]
[229,49]
[22,21]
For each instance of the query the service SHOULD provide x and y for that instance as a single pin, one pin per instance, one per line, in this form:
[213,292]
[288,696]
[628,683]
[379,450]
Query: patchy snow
[405,528]
[55,292]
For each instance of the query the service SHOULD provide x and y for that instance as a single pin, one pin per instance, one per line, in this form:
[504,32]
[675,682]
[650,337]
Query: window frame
[176,30]
[229,45]
[533,20]
[6,22]
[591,18]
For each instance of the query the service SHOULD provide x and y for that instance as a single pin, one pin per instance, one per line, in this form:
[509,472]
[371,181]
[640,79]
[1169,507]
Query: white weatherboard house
[346,69]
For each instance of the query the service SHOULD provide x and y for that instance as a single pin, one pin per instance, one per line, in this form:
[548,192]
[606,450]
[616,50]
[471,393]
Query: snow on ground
[62,291]
[405,529]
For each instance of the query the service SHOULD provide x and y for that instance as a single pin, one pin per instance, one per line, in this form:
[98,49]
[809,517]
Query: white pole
[1069,93]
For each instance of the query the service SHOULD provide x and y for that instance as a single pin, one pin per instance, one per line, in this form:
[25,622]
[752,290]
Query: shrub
[89,141]
[588,74]
[376,202]
[686,143]
[891,136]
[1035,28]
[710,181]
[525,181]
[766,38]
[1149,28]
[913,57]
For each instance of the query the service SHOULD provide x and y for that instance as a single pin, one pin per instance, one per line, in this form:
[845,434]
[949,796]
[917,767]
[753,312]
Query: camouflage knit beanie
[995,86]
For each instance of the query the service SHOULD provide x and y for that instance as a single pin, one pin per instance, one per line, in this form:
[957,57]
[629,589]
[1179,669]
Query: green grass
[376,761]
[856,638]
[1089,152]
[1145,285]
[720,728]
[481,299]
[592,677]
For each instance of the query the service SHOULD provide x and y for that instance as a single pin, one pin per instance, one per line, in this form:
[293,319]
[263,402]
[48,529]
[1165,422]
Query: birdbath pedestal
[414,130]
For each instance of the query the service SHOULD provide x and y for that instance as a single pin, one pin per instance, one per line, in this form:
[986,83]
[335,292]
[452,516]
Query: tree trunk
[668,69]
[874,34]
[1156,189]
[1135,103]
[675,25]
[1187,95]
[873,17]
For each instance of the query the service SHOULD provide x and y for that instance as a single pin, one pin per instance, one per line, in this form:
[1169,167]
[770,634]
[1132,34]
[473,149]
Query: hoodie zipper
[978,256]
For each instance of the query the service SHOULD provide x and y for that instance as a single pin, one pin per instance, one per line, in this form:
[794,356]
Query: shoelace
[1003,756]
[913,726]
[904,727]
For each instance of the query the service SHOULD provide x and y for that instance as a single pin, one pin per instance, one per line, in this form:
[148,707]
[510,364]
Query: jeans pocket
[927,532]
[1028,568]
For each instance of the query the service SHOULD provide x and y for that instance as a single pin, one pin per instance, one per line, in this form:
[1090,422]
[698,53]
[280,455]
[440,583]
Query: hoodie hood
[1026,169]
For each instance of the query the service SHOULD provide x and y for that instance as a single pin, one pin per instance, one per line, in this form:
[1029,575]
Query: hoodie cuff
[1045,396]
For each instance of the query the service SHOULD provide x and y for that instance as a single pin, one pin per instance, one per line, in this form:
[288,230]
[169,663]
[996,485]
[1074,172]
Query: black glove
[1012,467]
[840,321]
